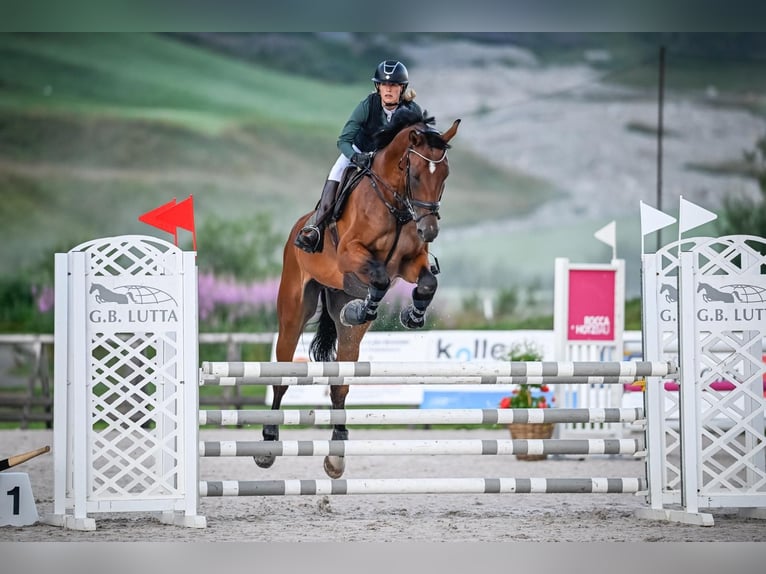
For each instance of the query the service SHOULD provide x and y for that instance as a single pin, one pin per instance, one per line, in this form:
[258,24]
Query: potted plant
[528,396]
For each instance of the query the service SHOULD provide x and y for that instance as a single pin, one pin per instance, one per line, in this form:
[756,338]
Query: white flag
[653,219]
[608,234]
[691,216]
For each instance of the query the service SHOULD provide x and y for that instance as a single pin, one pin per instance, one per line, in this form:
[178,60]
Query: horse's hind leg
[271,432]
[414,315]
[349,339]
[295,306]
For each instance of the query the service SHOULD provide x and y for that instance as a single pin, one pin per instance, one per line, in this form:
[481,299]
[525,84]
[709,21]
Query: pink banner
[591,305]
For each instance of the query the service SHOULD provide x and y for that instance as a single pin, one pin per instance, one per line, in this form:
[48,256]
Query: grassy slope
[96,129]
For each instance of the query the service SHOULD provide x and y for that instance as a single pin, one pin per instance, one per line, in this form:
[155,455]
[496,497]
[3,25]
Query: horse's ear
[416,137]
[450,133]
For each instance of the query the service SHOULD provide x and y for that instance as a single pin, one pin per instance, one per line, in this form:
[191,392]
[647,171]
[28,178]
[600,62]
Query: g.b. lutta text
[133,315]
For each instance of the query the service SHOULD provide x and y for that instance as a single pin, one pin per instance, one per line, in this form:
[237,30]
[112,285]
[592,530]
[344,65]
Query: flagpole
[660,104]
[680,225]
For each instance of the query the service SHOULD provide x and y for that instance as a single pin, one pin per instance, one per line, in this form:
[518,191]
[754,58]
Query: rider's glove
[362,160]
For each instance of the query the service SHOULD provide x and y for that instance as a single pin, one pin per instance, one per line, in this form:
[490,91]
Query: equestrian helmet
[392,71]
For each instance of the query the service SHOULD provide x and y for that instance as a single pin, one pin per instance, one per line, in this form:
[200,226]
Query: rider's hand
[362,160]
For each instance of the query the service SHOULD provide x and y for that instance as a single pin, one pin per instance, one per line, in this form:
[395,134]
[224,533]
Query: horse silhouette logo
[710,294]
[104,295]
[671,293]
[135,294]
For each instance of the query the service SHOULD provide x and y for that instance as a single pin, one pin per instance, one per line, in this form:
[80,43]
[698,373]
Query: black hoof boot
[412,318]
[356,312]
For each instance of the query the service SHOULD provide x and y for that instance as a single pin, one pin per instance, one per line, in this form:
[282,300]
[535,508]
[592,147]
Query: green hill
[96,129]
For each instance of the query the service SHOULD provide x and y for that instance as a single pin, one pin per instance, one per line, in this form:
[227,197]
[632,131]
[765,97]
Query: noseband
[431,207]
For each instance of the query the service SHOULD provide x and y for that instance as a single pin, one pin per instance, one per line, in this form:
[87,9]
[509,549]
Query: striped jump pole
[420,447]
[417,416]
[422,486]
[227,381]
[441,369]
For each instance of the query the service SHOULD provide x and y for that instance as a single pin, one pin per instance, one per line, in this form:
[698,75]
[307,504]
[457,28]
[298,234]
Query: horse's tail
[324,343]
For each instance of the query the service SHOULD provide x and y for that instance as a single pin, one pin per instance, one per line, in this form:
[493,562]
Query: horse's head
[417,159]
[427,168]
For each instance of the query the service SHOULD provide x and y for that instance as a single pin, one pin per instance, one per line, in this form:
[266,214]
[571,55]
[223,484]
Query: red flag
[154,219]
[180,215]
[172,215]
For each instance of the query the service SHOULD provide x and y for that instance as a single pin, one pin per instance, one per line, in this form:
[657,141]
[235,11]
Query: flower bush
[228,304]
[527,395]
[525,398]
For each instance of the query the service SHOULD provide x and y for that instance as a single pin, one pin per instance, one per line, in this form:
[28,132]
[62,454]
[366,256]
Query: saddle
[348,182]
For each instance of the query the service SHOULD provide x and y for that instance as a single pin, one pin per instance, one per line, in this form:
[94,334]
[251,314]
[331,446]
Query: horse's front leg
[414,315]
[360,311]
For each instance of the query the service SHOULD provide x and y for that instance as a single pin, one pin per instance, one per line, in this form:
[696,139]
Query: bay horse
[381,235]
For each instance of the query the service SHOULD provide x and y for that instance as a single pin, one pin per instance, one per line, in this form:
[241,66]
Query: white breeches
[340,165]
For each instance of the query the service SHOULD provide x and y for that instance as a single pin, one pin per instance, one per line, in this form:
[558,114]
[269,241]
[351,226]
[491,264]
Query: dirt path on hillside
[591,139]
[390,518]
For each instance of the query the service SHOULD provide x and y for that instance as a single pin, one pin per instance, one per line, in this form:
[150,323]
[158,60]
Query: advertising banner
[401,346]
[591,305]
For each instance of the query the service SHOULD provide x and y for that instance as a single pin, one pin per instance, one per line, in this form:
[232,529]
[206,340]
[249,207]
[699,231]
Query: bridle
[431,207]
[408,214]
[404,216]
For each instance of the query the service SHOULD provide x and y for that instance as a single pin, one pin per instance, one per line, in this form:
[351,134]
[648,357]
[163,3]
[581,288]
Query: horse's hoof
[409,321]
[334,466]
[264,461]
[355,313]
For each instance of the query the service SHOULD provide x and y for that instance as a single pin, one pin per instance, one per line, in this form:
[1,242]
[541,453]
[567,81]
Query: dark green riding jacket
[366,119]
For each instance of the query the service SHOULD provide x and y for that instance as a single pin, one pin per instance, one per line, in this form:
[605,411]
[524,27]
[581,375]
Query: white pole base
[185,520]
[69,522]
[682,516]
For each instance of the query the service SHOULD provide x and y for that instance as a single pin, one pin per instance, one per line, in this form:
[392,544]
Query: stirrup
[308,238]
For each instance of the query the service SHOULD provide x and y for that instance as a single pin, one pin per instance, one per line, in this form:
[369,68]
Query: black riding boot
[309,238]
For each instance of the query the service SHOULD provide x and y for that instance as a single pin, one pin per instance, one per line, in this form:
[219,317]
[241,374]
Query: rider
[356,141]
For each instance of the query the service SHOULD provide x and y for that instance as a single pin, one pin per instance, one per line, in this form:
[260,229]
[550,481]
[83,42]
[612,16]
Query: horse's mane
[405,117]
